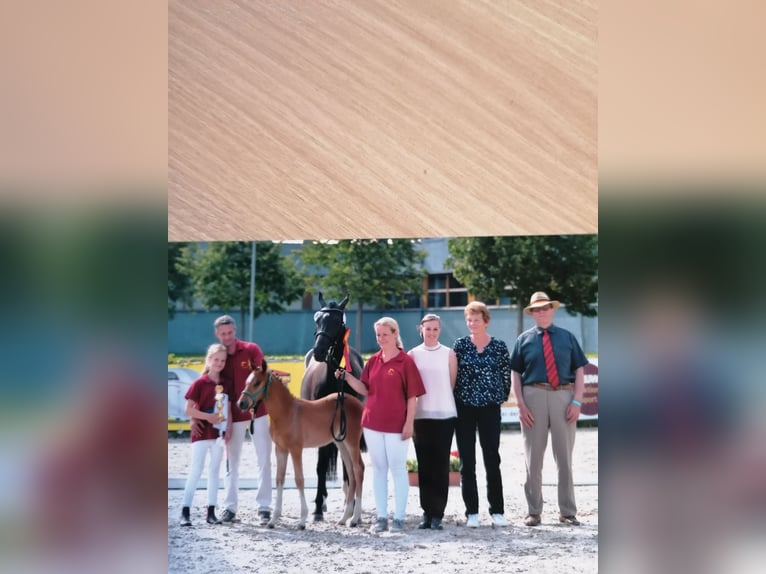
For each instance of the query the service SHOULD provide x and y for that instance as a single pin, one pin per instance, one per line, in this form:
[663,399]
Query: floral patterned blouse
[484,378]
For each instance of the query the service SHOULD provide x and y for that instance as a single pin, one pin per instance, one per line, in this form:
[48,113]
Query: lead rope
[339,401]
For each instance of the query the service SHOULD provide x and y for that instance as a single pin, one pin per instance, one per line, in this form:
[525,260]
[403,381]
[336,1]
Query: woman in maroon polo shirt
[391,382]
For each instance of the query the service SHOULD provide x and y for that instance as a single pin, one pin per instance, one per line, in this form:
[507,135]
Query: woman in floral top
[483,384]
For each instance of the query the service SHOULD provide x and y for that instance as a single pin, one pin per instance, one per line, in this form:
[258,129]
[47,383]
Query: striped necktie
[550,360]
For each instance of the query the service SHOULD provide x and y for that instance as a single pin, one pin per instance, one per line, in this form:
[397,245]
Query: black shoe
[425,523]
[185,516]
[436,524]
[211,517]
[227,516]
[264,516]
[569,520]
[532,520]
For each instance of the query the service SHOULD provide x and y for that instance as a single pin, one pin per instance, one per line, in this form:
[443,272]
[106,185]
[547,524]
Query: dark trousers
[487,421]
[433,439]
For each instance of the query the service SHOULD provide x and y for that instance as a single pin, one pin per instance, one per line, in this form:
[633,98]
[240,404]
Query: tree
[179,280]
[221,278]
[379,272]
[564,266]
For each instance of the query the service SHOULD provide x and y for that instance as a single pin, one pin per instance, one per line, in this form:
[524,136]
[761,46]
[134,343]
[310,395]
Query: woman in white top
[435,417]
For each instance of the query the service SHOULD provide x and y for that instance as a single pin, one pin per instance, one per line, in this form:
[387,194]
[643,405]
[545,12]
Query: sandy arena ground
[325,547]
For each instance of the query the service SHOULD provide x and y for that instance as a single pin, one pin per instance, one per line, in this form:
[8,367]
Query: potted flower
[412,471]
[454,468]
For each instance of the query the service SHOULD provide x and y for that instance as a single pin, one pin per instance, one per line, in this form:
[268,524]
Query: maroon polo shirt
[389,385]
[238,367]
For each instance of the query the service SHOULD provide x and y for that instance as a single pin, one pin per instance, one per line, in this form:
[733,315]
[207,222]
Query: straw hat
[540,299]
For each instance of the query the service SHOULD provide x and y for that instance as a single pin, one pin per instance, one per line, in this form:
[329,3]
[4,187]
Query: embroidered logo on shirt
[391,371]
[245,364]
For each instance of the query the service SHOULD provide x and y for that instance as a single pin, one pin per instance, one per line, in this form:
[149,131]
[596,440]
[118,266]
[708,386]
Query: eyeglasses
[544,308]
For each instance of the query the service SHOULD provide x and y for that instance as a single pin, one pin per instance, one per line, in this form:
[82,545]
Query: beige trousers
[549,411]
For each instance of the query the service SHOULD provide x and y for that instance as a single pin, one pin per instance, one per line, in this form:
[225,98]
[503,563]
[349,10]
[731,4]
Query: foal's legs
[297,456]
[348,509]
[358,472]
[281,470]
[353,462]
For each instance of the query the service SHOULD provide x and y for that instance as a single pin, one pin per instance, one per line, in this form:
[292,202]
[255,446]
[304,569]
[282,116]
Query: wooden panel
[294,120]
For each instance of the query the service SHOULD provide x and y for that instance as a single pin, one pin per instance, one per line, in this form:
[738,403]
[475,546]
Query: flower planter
[454,478]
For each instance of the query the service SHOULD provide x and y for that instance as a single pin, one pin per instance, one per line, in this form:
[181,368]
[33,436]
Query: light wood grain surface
[322,119]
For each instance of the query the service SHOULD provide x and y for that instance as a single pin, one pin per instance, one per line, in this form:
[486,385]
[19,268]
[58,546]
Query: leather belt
[547,387]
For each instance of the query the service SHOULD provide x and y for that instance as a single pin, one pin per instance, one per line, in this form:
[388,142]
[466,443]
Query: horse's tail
[330,454]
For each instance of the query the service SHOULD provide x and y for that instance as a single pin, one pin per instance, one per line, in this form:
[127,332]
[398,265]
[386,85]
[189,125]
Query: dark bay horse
[319,381]
[296,424]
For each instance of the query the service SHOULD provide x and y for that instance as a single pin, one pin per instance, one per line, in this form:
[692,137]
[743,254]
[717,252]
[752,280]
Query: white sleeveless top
[433,364]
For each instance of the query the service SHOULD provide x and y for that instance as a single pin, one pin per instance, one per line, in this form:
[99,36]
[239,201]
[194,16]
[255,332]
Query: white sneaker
[473,521]
[499,520]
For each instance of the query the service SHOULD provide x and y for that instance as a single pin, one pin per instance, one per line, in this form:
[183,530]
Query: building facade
[292,332]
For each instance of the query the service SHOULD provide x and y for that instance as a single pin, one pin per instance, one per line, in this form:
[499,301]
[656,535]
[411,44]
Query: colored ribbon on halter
[345,362]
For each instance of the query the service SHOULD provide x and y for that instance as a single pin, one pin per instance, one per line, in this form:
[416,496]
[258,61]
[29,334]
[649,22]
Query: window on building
[446,291]
[437,299]
[406,301]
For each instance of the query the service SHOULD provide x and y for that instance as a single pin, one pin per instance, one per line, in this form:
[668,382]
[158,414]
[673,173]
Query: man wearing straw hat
[548,382]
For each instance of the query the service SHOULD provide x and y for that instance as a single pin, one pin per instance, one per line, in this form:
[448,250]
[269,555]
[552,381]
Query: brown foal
[296,424]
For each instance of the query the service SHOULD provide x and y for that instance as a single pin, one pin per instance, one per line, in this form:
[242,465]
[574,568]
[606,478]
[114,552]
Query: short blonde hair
[477,307]
[391,323]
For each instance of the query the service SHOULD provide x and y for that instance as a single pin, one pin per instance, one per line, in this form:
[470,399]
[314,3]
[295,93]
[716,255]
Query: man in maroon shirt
[242,356]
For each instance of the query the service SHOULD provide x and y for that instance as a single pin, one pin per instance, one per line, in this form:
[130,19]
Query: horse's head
[256,387]
[330,326]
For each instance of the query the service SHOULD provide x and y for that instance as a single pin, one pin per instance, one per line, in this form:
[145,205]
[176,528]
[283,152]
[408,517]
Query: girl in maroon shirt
[201,404]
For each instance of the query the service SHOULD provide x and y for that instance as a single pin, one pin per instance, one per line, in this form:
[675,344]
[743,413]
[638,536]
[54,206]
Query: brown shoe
[569,520]
[532,520]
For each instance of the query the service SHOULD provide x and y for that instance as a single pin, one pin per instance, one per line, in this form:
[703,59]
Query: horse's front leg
[281,471]
[297,455]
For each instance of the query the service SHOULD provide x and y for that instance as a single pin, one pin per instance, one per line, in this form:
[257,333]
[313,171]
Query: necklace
[436,348]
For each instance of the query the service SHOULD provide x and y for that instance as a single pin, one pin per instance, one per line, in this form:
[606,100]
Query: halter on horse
[330,345]
[296,424]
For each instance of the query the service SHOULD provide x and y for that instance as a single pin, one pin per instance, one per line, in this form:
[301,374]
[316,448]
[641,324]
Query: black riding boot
[211,517]
[185,516]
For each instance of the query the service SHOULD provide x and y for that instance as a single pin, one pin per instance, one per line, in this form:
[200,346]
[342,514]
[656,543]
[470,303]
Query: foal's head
[330,326]
[256,386]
